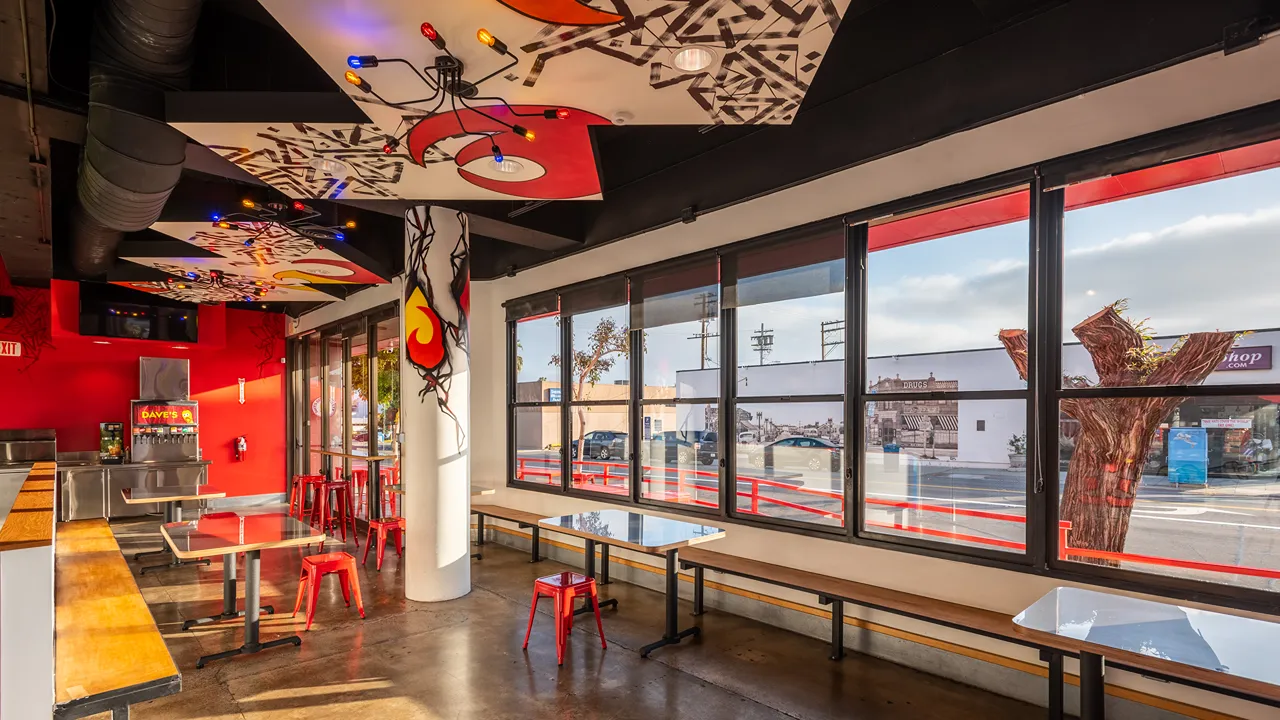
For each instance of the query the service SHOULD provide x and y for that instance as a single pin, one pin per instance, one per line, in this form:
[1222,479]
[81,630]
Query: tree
[1116,433]
[605,345]
[388,390]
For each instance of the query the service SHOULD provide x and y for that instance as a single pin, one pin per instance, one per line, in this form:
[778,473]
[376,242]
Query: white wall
[1191,91]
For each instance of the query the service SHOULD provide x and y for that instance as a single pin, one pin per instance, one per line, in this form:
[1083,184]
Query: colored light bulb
[299,206]
[358,81]
[216,217]
[524,132]
[429,32]
[562,113]
[350,224]
[248,203]
[224,225]
[354,62]
[387,149]
[339,236]
[486,37]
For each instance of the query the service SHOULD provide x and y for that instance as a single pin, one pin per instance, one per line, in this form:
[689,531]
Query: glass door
[387,381]
[335,426]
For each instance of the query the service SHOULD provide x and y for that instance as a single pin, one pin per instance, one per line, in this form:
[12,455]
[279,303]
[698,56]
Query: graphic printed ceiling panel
[603,60]
[213,264]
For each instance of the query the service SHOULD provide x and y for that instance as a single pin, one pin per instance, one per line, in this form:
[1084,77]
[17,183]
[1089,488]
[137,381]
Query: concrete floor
[462,659]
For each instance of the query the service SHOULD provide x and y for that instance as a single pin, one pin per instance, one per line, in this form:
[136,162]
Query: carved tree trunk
[1115,433]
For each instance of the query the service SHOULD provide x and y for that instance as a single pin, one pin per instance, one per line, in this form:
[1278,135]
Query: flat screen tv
[116,312]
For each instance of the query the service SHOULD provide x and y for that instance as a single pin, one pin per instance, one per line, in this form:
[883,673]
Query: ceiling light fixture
[444,80]
[694,58]
[329,166]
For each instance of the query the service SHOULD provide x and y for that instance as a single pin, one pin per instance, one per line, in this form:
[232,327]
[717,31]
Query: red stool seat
[383,528]
[563,588]
[298,492]
[314,568]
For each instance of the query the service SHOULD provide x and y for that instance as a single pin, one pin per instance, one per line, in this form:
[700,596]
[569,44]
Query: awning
[916,422]
[947,422]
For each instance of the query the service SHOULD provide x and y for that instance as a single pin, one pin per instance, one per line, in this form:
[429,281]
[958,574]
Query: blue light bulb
[354,62]
[340,236]
[216,217]
[497,159]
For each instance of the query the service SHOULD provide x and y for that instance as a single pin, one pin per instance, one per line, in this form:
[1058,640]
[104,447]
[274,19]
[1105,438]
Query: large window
[789,381]
[947,289]
[1069,371]
[1168,290]
[677,314]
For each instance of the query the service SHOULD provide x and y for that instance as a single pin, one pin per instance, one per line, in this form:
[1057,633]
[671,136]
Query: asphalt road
[1230,522]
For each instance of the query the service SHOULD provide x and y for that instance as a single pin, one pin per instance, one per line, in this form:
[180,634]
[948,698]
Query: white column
[436,405]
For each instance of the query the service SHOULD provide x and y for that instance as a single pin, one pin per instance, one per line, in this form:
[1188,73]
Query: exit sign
[10,349]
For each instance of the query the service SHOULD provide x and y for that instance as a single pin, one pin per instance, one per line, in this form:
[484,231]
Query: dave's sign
[164,415]
[8,348]
[1247,358]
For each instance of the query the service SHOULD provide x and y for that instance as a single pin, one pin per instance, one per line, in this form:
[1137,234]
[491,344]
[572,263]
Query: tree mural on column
[606,345]
[1116,433]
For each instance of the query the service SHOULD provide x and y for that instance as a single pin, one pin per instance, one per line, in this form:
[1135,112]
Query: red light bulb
[387,149]
[429,32]
[299,206]
[562,113]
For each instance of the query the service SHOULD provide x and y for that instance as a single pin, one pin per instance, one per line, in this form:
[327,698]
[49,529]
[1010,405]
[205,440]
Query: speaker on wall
[6,306]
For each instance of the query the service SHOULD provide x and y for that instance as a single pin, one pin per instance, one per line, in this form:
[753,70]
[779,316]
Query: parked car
[799,453]
[601,445]
[681,448]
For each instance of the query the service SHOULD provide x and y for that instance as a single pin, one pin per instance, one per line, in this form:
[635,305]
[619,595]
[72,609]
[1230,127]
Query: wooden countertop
[106,640]
[30,522]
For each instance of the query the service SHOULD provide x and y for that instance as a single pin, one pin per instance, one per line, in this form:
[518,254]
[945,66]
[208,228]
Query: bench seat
[108,652]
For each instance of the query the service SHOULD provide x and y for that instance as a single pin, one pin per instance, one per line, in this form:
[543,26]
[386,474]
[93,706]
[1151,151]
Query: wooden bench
[108,652]
[522,518]
[838,591]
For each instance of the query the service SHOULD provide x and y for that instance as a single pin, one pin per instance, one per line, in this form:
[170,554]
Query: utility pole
[762,342]
[709,309]
[832,336]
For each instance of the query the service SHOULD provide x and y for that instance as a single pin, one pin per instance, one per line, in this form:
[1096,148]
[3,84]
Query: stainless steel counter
[89,489]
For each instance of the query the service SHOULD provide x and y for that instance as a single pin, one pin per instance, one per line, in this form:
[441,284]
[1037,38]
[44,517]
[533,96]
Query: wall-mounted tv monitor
[112,311]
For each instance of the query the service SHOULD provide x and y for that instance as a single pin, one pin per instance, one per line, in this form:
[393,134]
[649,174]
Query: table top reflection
[226,533]
[637,531]
[1113,625]
[173,493]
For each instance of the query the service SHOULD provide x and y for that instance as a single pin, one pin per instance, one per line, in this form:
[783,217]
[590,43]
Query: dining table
[648,534]
[227,534]
[171,498]
[1217,651]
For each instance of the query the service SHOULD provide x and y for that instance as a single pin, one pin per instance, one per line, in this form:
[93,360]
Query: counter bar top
[30,522]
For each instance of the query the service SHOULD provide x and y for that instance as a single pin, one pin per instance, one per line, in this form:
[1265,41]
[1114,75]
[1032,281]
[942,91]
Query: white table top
[1225,645]
[226,533]
[633,530]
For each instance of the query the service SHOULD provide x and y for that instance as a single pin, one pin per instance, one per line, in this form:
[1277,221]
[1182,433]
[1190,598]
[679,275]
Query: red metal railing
[687,486]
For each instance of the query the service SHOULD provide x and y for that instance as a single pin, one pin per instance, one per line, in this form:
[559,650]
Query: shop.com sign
[1247,358]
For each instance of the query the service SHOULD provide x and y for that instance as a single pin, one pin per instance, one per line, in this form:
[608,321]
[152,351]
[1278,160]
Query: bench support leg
[479,536]
[589,559]
[1092,687]
[537,548]
[604,564]
[1055,683]
[837,629]
[120,713]
[697,591]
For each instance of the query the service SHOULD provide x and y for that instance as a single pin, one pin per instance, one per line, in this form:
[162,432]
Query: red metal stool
[383,528]
[334,496]
[314,568]
[360,488]
[390,476]
[298,492]
[563,588]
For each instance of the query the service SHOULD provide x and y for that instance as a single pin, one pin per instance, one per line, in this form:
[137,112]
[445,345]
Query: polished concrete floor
[462,659]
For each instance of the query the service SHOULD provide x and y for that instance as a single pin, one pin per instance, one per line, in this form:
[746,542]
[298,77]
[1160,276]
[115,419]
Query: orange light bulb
[485,37]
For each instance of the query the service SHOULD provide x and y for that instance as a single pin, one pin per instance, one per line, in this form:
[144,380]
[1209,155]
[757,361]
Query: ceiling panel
[607,61]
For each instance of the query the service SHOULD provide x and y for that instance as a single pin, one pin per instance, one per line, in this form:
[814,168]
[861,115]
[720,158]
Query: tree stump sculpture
[1116,433]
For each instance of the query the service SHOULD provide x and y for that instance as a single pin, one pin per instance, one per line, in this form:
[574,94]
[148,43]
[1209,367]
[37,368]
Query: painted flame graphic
[425,339]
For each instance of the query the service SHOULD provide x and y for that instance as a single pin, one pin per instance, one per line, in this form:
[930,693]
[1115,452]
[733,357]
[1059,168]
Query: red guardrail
[687,479]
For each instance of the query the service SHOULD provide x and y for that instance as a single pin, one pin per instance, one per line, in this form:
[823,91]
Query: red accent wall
[70,383]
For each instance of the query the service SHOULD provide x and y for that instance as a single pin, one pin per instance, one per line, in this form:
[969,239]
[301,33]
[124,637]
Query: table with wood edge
[1211,650]
[648,534]
[226,534]
[171,498]
[375,475]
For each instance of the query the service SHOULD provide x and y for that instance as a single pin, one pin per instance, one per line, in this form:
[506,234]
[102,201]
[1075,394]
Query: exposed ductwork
[132,159]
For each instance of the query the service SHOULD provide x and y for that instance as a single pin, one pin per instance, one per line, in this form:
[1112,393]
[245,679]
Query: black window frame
[1046,179]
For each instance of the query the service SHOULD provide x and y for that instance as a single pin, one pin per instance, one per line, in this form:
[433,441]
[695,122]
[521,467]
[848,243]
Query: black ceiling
[899,73]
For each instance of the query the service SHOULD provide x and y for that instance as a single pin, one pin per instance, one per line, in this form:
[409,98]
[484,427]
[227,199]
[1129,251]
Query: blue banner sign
[1188,456]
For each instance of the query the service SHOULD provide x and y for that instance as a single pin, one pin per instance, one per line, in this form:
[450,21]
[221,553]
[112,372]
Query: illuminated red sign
[164,415]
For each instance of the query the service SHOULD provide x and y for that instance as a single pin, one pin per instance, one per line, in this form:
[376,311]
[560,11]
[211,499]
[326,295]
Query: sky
[1206,257]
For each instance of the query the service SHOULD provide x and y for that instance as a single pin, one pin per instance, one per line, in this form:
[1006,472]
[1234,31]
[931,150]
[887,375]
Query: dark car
[680,448]
[601,445]
[799,453]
